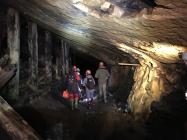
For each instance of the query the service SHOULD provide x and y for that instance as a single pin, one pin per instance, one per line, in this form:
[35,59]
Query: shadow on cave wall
[168,119]
[122,90]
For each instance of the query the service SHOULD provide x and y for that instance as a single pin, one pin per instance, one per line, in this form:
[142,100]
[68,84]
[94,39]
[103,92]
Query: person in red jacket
[78,78]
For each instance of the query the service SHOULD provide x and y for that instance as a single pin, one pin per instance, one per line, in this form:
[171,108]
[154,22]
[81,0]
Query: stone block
[118,12]
[105,6]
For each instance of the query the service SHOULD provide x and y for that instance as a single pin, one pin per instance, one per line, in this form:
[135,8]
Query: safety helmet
[101,64]
[88,72]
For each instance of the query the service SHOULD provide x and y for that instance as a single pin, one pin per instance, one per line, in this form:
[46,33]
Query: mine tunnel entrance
[52,117]
[39,102]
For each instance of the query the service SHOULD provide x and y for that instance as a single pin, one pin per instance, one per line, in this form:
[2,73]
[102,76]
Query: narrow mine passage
[84,61]
[45,60]
[53,118]
[44,39]
[121,77]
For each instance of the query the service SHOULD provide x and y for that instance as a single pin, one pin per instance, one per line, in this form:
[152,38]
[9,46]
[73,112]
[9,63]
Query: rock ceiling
[153,32]
[116,27]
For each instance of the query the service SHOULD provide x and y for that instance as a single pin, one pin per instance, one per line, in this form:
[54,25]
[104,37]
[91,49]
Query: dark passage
[84,61]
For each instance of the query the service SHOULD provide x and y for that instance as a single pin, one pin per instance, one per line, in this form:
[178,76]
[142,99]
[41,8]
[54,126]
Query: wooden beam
[63,58]
[57,67]
[5,76]
[13,41]
[128,64]
[33,53]
[66,55]
[14,125]
[48,55]
[58,64]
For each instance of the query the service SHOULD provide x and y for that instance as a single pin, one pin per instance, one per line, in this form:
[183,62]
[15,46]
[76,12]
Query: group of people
[74,84]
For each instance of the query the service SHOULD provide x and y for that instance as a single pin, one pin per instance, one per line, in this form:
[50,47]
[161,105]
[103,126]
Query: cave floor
[51,116]
[54,120]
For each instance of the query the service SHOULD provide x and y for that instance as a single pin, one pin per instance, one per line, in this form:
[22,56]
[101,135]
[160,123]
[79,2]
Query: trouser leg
[76,103]
[88,94]
[104,92]
[72,104]
[71,100]
[76,99]
[92,94]
[100,89]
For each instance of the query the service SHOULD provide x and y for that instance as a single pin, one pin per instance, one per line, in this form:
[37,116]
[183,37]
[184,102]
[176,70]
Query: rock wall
[151,84]
[153,79]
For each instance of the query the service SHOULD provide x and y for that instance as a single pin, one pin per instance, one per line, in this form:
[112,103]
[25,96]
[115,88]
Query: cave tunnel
[142,44]
[84,61]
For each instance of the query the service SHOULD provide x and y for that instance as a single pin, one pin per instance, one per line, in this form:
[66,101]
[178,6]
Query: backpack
[90,83]
[71,79]
[72,84]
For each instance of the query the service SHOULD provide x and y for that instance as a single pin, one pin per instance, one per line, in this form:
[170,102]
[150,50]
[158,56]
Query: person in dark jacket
[89,83]
[72,88]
